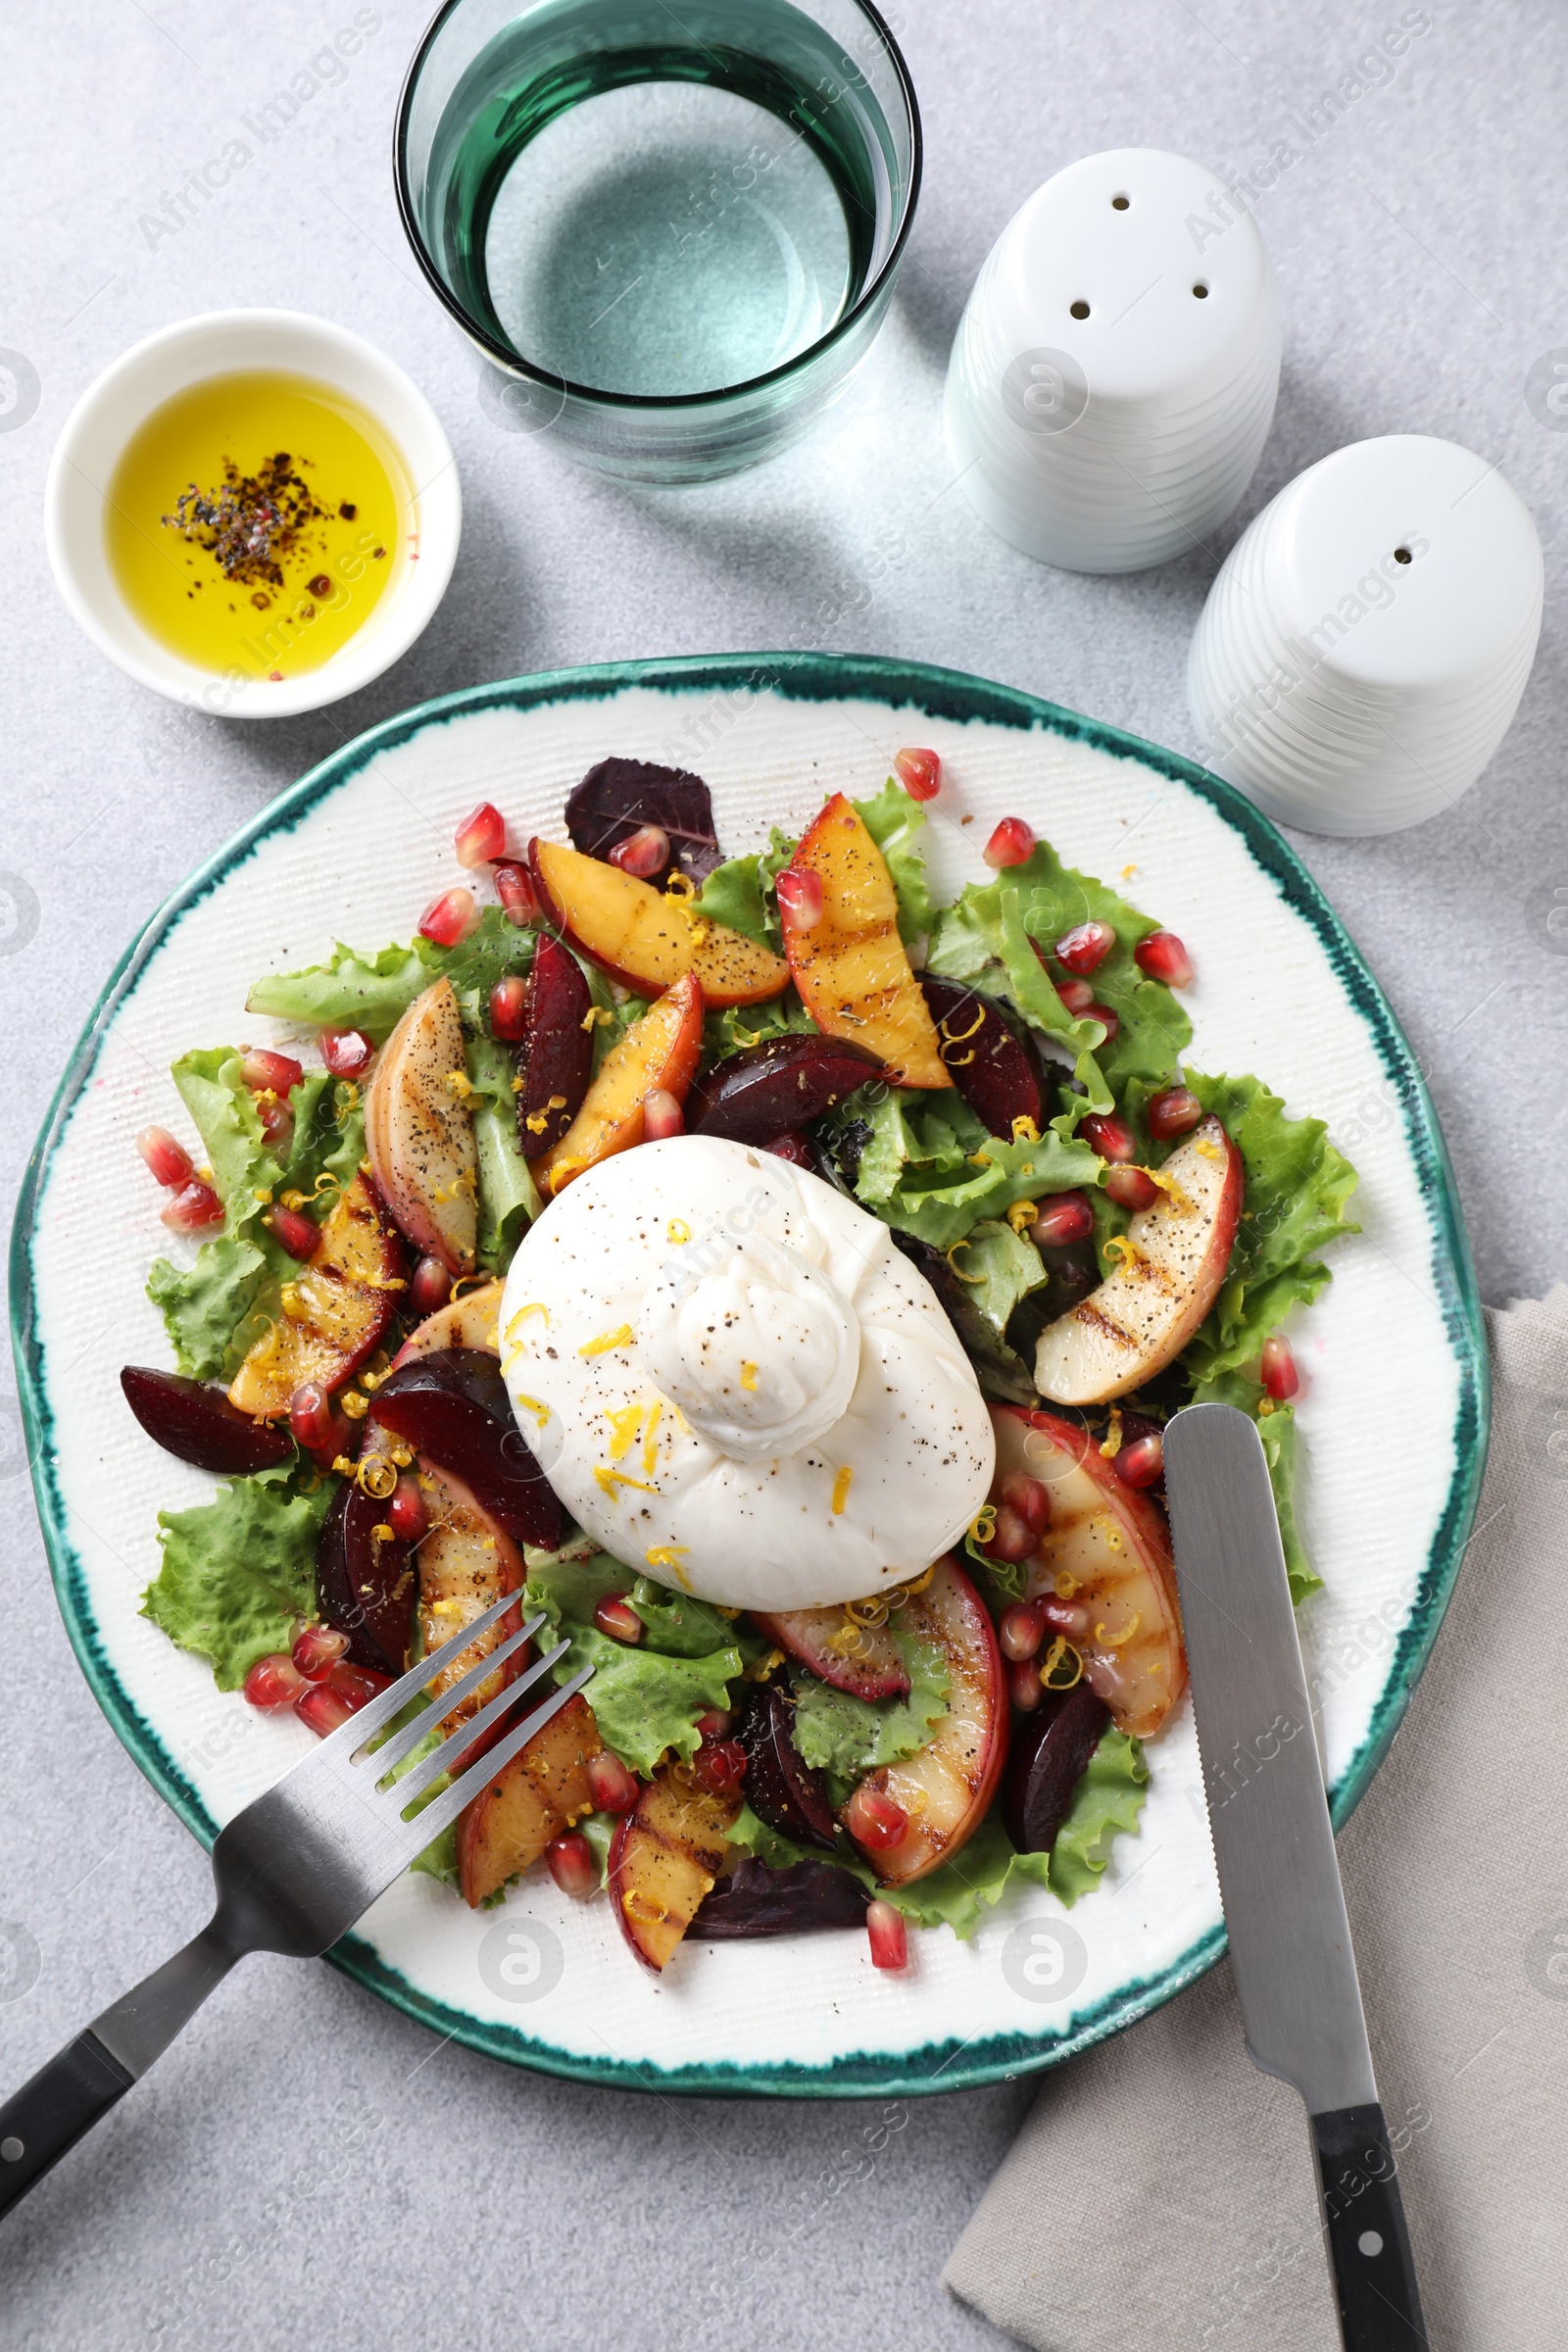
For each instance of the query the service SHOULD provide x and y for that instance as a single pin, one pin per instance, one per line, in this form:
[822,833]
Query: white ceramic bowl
[224,343]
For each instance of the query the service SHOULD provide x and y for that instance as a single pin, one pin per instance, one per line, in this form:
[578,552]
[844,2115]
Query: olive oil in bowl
[254,523]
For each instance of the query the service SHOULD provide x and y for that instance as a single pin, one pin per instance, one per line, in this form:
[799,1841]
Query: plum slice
[781,1787]
[772,1088]
[187,1419]
[543,1791]
[451,1407]
[991,1069]
[1050,1752]
[556,1059]
[754,1900]
[618,797]
[863,1660]
[665,1857]
[365,1581]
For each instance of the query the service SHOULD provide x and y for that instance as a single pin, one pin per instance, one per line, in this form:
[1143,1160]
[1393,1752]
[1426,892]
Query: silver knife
[1278,1878]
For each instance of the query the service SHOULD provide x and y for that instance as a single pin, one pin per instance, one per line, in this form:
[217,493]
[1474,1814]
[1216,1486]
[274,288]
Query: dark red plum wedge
[1050,1753]
[451,1407]
[200,1425]
[991,1068]
[557,1058]
[776,1087]
[781,1787]
[365,1580]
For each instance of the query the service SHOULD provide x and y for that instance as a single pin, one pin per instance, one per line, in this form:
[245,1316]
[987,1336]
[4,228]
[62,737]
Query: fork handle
[65,2098]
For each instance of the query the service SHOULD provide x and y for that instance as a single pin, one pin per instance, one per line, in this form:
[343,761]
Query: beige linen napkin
[1161,2194]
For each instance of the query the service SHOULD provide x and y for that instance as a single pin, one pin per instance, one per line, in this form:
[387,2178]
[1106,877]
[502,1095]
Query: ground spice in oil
[252,523]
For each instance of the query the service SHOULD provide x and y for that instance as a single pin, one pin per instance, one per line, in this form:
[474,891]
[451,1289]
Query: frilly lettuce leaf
[508,1199]
[238,1571]
[929,1168]
[373,993]
[997,1267]
[740,892]
[846,1735]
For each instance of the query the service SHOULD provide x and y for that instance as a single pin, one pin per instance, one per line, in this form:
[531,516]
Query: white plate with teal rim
[354,851]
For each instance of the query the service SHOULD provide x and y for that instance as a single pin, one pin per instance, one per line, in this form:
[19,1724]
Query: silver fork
[293,1873]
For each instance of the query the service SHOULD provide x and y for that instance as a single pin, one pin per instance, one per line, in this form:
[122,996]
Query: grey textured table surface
[306,2164]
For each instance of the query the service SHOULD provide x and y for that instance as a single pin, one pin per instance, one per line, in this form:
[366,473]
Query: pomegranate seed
[515,888]
[430,1287]
[612,1786]
[315,1422]
[919,772]
[1109,1136]
[793,1147]
[509,1009]
[1131,1188]
[720,1766]
[715,1725]
[1030,1497]
[616,1617]
[277,1120]
[316,1648]
[168,1160]
[193,1206]
[1280,1376]
[1085,947]
[327,1705]
[273,1682]
[1023,1683]
[1021,1628]
[1103,1013]
[888,1935]
[798,888]
[1069,1617]
[1013,1538]
[406,1512]
[1174,1112]
[347,1053]
[266,1072]
[297,1233]
[663,1115]
[1077,996]
[571,1863]
[449,918]
[1141,1462]
[643,853]
[1010,844]
[1164,957]
[481,836]
[1067,1218]
[874,1819]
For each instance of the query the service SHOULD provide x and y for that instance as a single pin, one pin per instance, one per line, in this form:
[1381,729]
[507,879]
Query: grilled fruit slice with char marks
[1174,1258]
[465,1562]
[665,1857]
[658,1051]
[419,1130]
[1104,1564]
[365,1580]
[947,1786]
[850,964]
[540,1792]
[646,938]
[335,1309]
[469,1321]
[861,1658]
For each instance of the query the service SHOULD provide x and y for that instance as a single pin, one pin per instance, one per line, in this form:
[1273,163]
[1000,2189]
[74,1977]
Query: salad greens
[238,1571]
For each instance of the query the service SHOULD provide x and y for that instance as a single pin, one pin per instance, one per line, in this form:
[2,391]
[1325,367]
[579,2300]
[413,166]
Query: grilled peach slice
[335,1309]
[540,1792]
[1175,1255]
[658,1051]
[469,1321]
[849,964]
[945,1789]
[861,1658]
[419,1130]
[465,1562]
[667,1854]
[1105,1562]
[646,938]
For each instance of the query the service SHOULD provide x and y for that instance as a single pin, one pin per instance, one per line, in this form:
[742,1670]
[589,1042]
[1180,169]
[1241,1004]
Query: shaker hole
[1202,291]
[1119,204]
[1079,309]
[1401,555]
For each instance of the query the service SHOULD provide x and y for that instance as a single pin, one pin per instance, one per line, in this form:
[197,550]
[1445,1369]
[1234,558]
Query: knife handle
[1370,2246]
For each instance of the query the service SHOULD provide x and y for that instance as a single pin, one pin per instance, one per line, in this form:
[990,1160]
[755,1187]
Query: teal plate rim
[953,2065]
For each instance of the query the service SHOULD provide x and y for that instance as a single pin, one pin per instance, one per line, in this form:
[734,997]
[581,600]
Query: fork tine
[393,1750]
[369,1719]
[464,1734]
[443,1810]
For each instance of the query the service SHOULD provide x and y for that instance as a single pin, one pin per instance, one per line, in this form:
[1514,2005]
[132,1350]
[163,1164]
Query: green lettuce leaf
[740,892]
[373,993]
[918,1171]
[840,1734]
[1281,1439]
[683,1627]
[509,1201]
[997,1267]
[238,1571]
[741,1025]
[895,823]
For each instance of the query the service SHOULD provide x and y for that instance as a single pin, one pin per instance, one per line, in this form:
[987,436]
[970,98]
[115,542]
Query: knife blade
[1278,1878]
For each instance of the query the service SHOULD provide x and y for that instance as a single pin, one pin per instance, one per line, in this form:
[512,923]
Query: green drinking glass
[671,231]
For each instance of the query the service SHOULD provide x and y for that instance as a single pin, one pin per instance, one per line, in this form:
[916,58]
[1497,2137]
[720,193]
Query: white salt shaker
[1365,645]
[1114,377]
